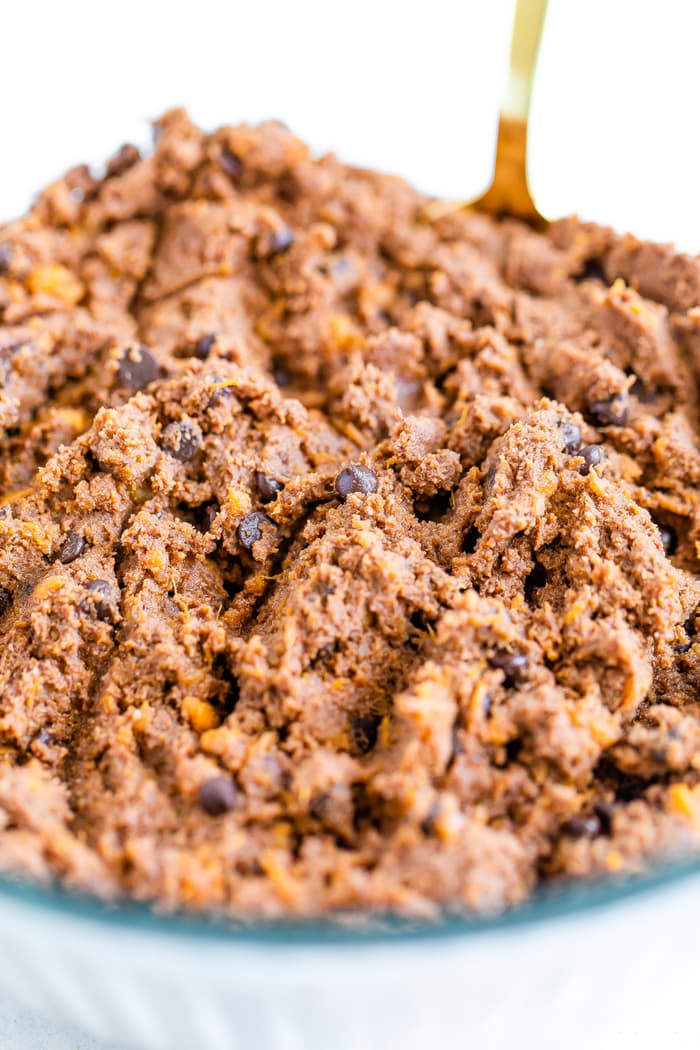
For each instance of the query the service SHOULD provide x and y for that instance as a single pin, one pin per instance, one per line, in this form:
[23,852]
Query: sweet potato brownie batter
[349,546]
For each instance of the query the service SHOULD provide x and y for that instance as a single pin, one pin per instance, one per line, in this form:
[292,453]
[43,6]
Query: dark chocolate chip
[203,346]
[137,368]
[268,487]
[571,433]
[580,827]
[123,159]
[281,241]
[355,478]
[515,666]
[182,440]
[230,163]
[5,257]
[610,413]
[99,600]
[364,730]
[669,538]
[219,396]
[218,796]
[71,548]
[250,529]
[592,456]
[5,601]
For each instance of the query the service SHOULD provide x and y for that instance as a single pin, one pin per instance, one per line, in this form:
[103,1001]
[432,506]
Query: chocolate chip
[571,433]
[124,159]
[355,478]
[137,368]
[203,346]
[219,395]
[5,601]
[182,440]
[267,487]
[71,548]
[580,827]
[669,538]
[250,529]
[5,257]
[515,666]
[218,796]
[611,412]
[281,240]
[99,600]
[364,730]
[230,163]
[592,456]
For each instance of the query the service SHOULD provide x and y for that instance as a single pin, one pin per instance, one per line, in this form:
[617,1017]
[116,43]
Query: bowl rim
[565,900]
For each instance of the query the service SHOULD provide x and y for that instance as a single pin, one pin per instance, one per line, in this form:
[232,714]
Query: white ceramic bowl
[607,965]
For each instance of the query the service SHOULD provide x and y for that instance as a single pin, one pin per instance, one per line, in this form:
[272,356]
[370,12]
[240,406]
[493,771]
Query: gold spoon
[509,193]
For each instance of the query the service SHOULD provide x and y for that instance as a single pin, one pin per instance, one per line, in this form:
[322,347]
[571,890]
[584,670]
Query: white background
[407,86]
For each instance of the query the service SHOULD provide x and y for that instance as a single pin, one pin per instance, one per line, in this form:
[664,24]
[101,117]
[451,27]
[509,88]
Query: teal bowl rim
[568,899]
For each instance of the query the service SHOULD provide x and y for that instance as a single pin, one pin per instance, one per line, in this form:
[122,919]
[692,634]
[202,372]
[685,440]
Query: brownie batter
[349,545]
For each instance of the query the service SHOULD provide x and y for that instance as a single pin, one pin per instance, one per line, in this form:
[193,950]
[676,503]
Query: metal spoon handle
[509,192]
[528,23]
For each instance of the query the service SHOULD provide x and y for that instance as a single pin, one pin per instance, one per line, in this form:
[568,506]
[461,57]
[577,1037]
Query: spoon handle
[509,193]
[524,47]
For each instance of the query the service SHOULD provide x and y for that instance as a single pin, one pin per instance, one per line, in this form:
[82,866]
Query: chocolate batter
[349,549]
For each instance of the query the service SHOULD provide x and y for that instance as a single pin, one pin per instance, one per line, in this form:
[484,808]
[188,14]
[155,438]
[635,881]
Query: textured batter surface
[349,547]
